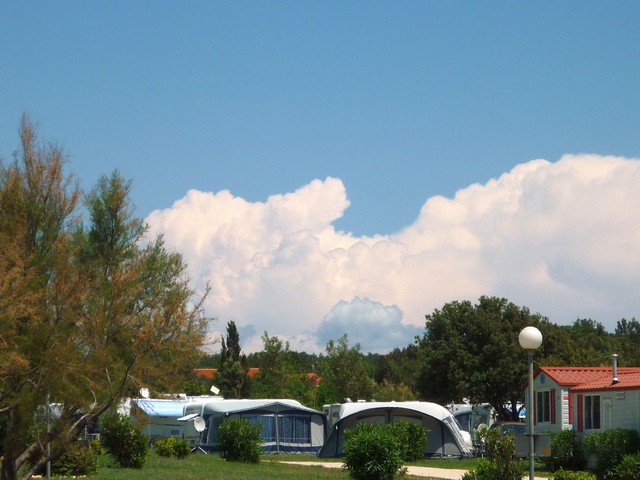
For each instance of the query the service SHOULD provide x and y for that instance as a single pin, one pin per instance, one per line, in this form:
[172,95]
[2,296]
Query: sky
[337,168]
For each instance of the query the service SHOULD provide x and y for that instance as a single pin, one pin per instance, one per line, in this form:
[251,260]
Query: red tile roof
[626,381]
[593,378]
[210,373]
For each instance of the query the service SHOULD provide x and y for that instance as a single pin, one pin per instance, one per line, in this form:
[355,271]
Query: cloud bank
[561,238]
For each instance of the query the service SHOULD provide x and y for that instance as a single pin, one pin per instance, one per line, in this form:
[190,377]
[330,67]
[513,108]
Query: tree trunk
[9,471]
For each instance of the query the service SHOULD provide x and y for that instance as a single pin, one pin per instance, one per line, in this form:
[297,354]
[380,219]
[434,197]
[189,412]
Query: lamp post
[530,340]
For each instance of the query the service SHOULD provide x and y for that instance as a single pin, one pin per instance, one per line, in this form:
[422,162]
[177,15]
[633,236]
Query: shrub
[172,447]
[485,470]
[566,451]
[609,448]
[372,452]
[412,439]
[240,440]
[629,467]
[78,460]
[124,442]
[501,462]
[562,474]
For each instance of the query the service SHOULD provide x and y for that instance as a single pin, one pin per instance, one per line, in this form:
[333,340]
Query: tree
[280,376]
[584,343]
[274,374]
[232,375]
[344,373]
[627,342]
[472,351]
[86,315]
[399,370]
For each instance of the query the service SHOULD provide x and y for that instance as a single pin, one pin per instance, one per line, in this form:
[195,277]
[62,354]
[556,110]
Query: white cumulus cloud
[560,238]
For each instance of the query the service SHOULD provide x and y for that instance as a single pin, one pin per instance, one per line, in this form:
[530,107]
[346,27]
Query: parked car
[509,428]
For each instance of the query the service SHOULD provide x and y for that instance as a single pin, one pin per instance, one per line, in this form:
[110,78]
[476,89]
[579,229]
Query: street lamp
[530,340]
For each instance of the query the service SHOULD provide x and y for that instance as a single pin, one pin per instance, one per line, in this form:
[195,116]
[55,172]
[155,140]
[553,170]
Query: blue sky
[401,102]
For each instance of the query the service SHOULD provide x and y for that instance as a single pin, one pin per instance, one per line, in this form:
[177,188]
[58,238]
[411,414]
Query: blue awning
[160,408]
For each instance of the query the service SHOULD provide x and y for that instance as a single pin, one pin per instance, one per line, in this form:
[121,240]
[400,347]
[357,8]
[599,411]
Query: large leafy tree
[472,351]
[344,373]
[87,314]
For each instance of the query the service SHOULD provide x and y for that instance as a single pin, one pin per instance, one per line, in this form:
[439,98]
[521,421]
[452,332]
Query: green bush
[123,441]
[412,439]
[501,462]
[562,474]
[172,447]
[78,460]
[629,467]
[485,470]
[566,451]
[372,452]
[609,448]
[240,440]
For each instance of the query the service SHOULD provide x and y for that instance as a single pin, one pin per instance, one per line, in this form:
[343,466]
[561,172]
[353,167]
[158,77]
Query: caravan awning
[160,408]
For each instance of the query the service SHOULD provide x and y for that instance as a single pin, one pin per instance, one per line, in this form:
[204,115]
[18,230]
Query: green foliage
[372,452]
[584,343]
[412,439]
[501,462]
[399,367]
[392,392]
[86,308]
[609,448]
[566,451]
[172,447]
[629,467]
[240,441]
[486,470]
[472,351]
[571,475]
[78,460]
[232,374]
[124,442]
[344,373]
[279,375]
[627,339]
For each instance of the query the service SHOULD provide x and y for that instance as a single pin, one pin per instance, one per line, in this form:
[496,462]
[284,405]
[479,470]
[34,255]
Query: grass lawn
[207,467]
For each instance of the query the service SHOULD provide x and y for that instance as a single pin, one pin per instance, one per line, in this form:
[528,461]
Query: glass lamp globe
[530,338]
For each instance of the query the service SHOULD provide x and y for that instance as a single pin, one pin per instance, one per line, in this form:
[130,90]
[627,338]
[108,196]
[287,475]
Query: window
[267,423]
[212,430]
[294,428]
[543,406]
[592,412]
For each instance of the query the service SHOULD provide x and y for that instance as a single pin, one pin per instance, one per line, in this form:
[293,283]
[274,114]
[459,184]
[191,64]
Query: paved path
[443,473]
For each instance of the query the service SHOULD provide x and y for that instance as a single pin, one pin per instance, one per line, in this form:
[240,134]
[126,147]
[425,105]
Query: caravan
[161,418]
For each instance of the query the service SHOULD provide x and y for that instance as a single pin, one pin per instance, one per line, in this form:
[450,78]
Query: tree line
[467,352]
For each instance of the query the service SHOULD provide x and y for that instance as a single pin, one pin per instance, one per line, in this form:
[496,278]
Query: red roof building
[586,399]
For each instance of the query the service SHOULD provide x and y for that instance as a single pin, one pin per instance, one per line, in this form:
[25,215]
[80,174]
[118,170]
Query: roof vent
[615,369]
